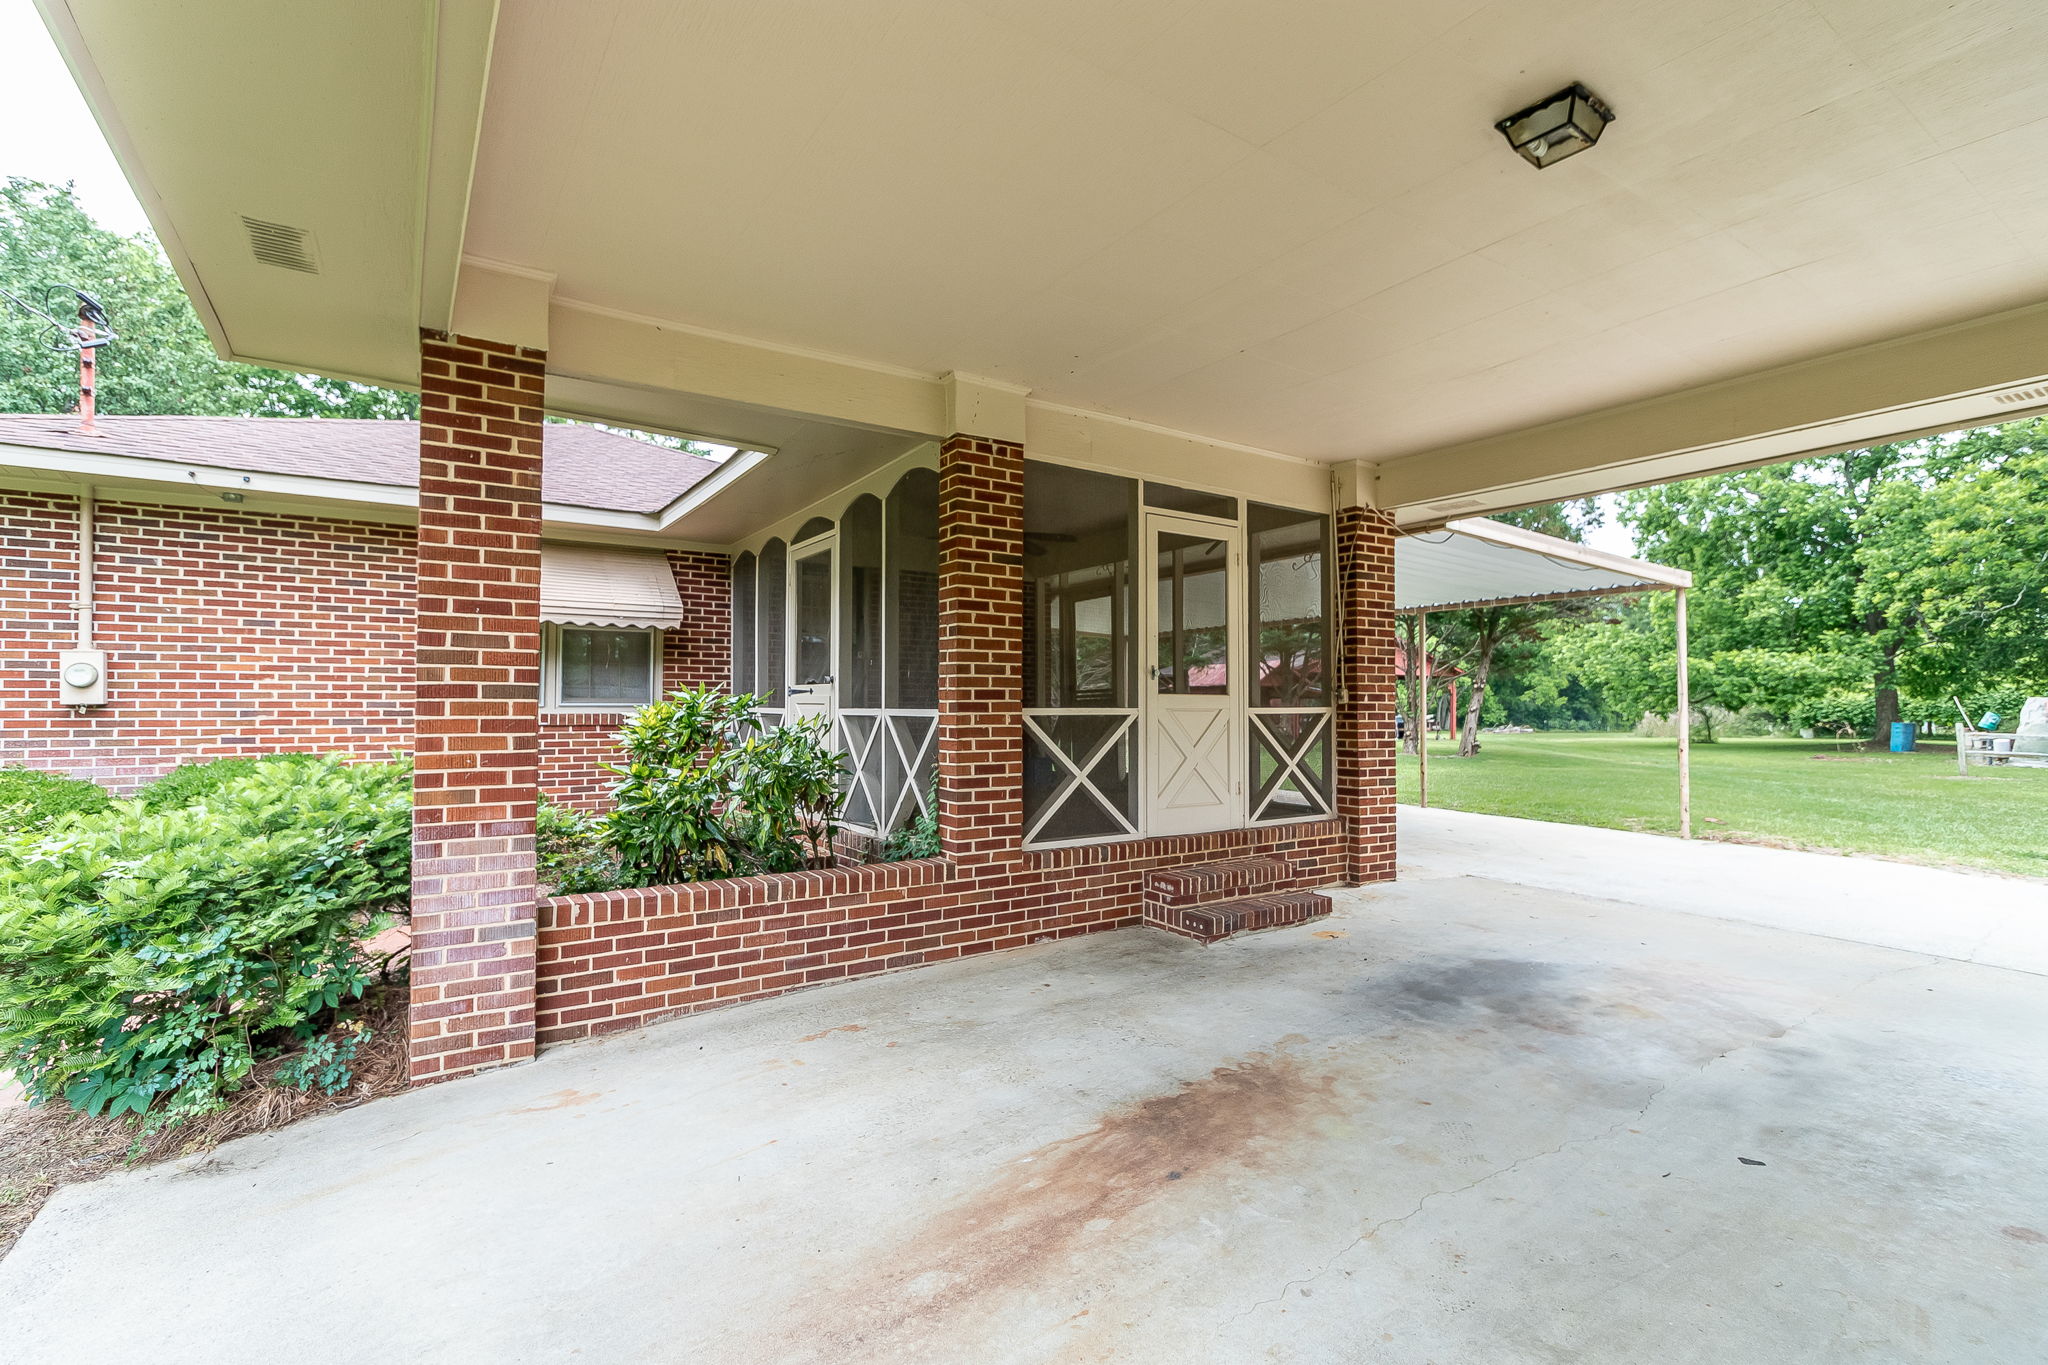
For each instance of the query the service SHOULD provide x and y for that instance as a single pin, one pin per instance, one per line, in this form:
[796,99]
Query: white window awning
[592,585]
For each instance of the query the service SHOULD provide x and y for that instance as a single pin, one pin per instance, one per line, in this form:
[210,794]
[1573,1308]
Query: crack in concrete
[1807,1018]
[1612,1130]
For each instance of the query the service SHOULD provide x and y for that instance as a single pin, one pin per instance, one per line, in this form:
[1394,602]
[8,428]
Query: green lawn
[1801,793]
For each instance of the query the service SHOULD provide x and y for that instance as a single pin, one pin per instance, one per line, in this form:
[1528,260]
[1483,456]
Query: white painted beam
[458,69]
[605,346]
[504,303]
[1931,381]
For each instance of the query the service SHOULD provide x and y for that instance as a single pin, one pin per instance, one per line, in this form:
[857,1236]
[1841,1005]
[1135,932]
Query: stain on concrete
[1516,991]
[827,1033]
[2020,1234]
[1026,1225]
[560,1099]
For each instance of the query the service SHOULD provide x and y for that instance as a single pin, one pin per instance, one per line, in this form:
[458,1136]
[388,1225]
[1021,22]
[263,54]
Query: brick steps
[1208,923]
[1203,883]
[1211,901]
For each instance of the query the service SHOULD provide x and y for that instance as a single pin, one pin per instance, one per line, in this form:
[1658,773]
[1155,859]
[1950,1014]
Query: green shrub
[328,1062]
[148,959]
[788,796]
[189,782]
[31,800]
[572,854]
[920,837]
[707,792]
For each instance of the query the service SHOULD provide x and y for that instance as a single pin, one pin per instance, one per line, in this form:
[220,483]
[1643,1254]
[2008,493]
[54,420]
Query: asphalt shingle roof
[581,466]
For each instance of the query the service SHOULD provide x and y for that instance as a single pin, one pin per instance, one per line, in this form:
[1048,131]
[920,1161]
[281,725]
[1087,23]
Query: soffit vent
[1461,505]
[282,245]
[2037,394]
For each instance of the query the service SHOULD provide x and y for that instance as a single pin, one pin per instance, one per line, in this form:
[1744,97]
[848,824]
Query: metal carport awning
[1476,562]
[1480,563]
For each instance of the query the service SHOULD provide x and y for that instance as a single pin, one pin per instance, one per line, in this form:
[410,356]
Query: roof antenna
[91,332]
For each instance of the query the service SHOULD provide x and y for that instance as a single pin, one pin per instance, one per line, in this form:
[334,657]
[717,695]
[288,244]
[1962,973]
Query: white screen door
[1193,753]
[813,607]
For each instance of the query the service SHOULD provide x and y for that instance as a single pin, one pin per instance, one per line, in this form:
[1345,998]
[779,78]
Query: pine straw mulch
[48,1146]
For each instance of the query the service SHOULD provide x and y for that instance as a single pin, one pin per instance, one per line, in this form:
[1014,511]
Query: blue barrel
[1904,736]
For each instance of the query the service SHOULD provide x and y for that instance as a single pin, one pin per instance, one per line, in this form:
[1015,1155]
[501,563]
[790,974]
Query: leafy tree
[163,362]
[1919,564]
[1491,640]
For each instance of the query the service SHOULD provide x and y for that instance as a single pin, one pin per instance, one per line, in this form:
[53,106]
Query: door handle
[798,691]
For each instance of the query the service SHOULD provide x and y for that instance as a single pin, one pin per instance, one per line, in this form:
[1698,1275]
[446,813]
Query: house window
[587,668]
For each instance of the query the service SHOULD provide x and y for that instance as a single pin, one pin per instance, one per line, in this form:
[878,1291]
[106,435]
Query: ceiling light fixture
[1562,125]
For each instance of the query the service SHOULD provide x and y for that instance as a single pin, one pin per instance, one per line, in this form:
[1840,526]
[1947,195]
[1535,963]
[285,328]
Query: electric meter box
[82,677]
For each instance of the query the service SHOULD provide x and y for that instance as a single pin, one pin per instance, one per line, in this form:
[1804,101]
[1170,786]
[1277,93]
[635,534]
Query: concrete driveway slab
[1463,1120]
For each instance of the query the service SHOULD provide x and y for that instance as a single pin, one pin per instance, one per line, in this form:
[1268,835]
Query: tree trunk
[1887,701]
[1887,712]
[1468,733]
[1414,644]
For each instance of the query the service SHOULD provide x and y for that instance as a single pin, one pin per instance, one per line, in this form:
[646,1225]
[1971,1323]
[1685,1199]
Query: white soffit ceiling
[306,119]
[1294,229]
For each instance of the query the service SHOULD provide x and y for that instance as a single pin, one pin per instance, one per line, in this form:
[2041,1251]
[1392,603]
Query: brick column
[476,750]
[981,641]
[1365,719]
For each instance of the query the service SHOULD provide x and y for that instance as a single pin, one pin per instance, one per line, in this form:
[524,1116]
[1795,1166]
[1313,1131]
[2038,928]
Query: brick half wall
[621,959]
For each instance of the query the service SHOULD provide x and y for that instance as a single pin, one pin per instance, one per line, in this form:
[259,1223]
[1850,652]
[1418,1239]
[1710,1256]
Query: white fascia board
[144,475]
[1571,552]
[457,71]
[735,467]
[85,466]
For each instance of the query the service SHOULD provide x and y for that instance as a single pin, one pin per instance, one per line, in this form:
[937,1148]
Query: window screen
[1080,535]
[1290,606]
[860,603]
[772,648]
[913,604]
[743,623]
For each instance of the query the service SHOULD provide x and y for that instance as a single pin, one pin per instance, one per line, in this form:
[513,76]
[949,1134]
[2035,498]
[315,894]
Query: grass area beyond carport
[1540,1116]
[1802,793]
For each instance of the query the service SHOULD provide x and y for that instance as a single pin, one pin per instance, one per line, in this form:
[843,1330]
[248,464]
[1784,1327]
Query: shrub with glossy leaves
[708,791]
[149,959]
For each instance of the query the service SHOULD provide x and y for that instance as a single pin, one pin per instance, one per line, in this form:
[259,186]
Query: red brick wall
[227,632]
[233,632]
[1365,721]
[476,748]
[981,650]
